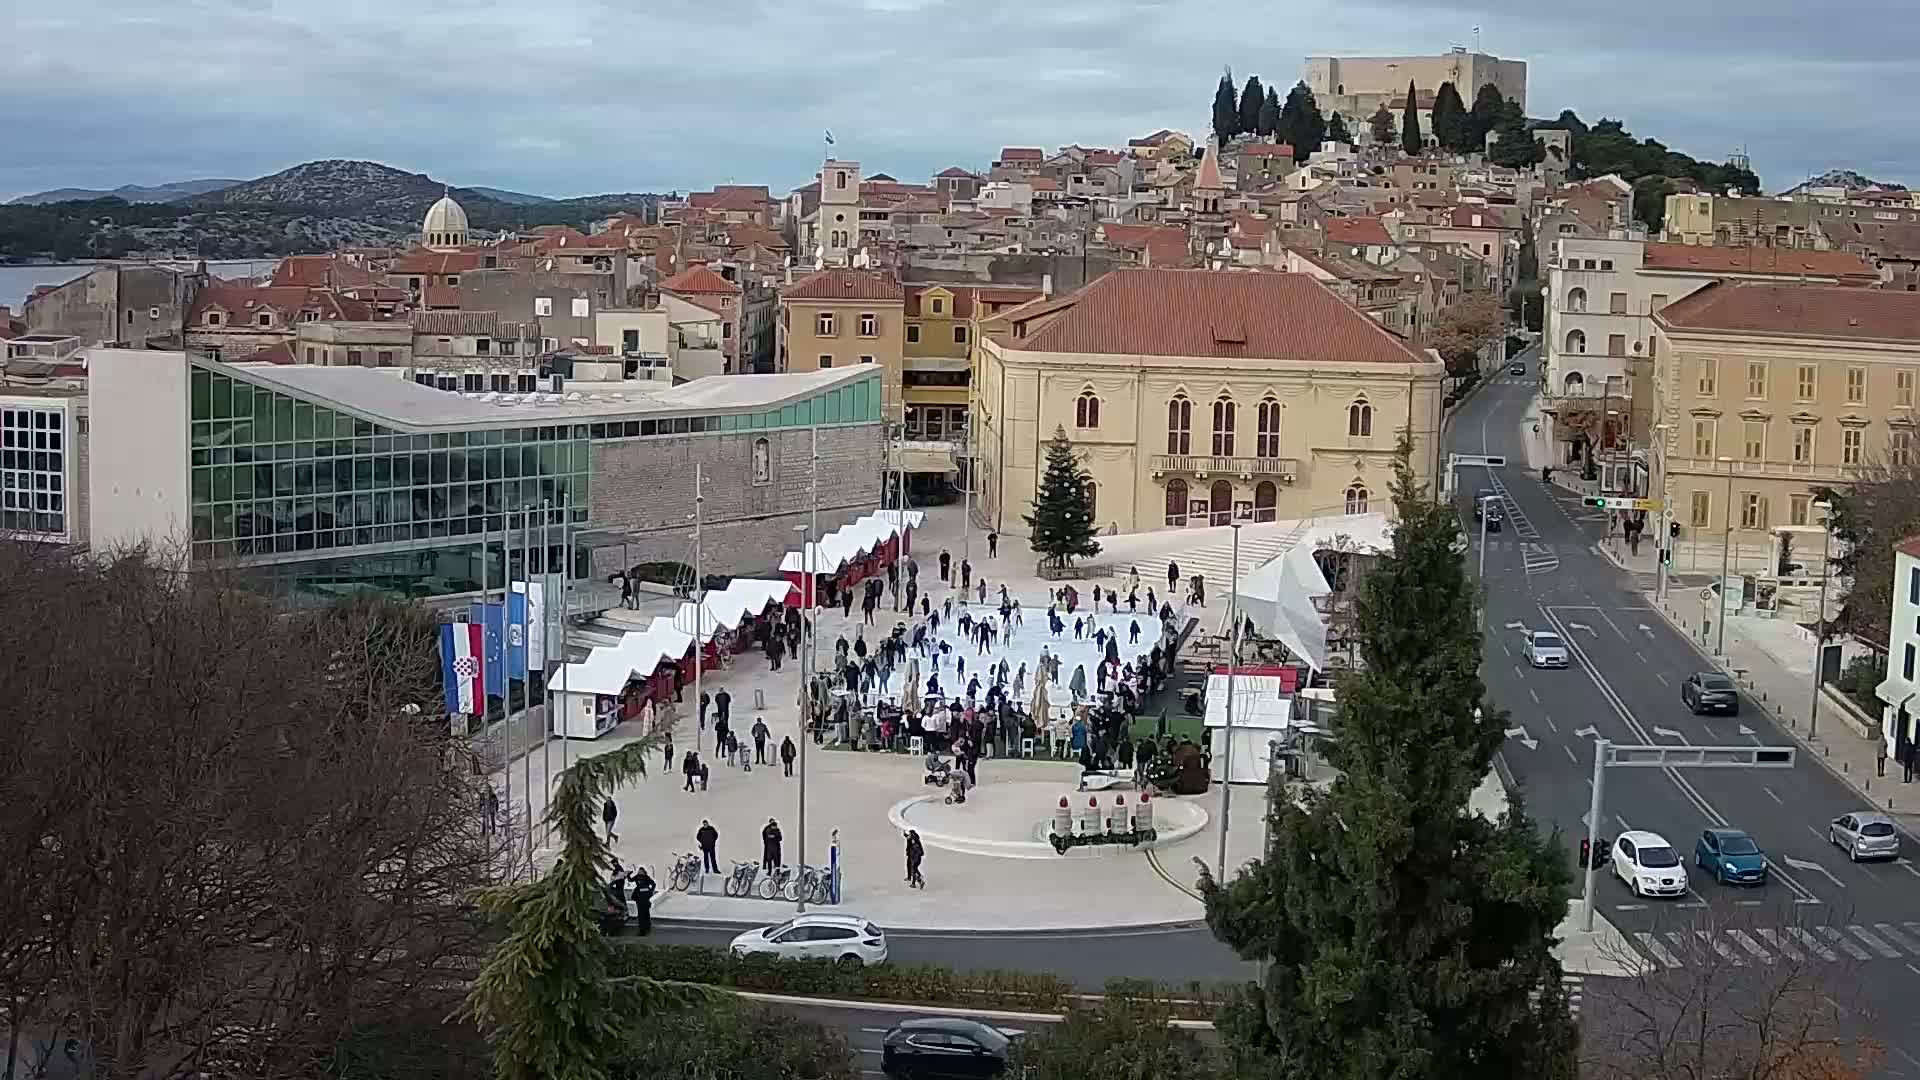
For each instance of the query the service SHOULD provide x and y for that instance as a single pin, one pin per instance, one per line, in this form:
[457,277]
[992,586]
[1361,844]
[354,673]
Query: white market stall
[1261,715]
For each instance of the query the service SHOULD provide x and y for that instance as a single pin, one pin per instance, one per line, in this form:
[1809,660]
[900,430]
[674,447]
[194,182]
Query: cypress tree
[1226,109]
[1252,97]
[1410,139]
[1062,519]
[1382,127]
[1487,104]
[1450,124]
[1515,147]
[1270,113]
[1301,124]
[1404,935]
[1337,129]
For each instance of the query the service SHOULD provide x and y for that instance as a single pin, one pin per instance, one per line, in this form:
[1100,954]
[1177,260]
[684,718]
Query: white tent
[606,672]
[1260,716]
[853,540]
[1279,596]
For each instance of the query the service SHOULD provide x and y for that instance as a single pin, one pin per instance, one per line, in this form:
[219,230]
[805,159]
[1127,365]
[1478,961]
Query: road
[1861,921]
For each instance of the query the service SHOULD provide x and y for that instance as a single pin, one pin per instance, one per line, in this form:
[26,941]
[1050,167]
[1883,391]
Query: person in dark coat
[610,813]
[723,705]
[691,766]
[708,838]
[993,545]
[760,734]
[946,563]
[787,753]
[706,702]
[915,852]
[770,846]
[1173,575]
[643,890]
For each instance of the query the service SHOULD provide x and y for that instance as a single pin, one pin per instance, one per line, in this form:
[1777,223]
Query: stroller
[959,792]
[939,769]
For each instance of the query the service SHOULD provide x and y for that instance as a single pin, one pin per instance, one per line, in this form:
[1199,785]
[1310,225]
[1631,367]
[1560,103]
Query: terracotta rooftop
[737,197]
[1162,243]
[1267,149]
[321,271]
[288,301]
[1221,314]
[955,172]
[1843,265]
[450,323]
[1208,178]
[699,279]
[1799,310]
[845,285]
[1022,153]
[422,261]
[440,297]
[1360,230]
[1909,547]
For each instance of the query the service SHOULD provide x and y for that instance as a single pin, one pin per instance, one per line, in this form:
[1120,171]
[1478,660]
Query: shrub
[1858,679]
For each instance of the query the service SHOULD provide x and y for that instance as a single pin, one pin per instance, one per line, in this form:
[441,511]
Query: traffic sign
[1619,502]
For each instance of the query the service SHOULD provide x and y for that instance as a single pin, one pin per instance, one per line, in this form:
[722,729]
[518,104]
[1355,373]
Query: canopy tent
[726,609]
[1279,596]
[883,532]
[1260,716]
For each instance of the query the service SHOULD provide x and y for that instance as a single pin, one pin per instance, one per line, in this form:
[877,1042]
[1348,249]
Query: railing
[1201,465]
[1801,469]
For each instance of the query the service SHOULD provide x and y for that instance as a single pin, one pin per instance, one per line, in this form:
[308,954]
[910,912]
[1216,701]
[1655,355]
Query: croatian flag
[463,667]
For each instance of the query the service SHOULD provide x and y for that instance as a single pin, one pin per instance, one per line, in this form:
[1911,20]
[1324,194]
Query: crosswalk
[1763,945]
[1576,987]
[1542,547]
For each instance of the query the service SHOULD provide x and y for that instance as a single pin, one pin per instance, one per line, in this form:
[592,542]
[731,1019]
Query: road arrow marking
[1520,626]
[1745,730]
[1582,626]
[1668,733]
[1813,867]
[1647,630]
[1587,732]
[1521,734]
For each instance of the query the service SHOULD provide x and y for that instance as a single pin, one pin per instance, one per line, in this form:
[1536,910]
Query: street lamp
[1657,458]
[1483,501]
[1820,620]
[808,603]
[1726,554]
[1606,448]
[1233,667]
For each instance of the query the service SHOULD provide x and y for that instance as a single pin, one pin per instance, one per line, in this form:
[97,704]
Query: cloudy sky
[567,97]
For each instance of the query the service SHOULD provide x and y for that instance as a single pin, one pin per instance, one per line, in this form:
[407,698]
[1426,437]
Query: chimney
[1046,286]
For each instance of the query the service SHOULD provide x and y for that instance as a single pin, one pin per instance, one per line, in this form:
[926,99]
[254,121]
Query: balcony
[1246,468]
[1773,470]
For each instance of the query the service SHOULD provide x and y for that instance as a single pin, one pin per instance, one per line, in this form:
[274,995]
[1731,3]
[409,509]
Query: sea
[17,281]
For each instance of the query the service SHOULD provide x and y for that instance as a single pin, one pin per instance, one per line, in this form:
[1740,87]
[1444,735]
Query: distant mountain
[133,193]
[1840,178]
[512,198]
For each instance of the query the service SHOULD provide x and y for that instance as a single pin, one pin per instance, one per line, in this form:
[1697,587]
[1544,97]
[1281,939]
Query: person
[609,813]
[626,587]
[787,753]
[666,748]
[983,589]
[1200,590]
[1133,579]
[776,650]
[643,890]
[706,700]
[946,562]
[1546,474]
[691,766]
[913,592]
[1173,575]
[993,545]
[760,734]
[708,838]
[770,846]
[846,605]
[1078,684]
[915,852]
[1133,633]
[705,774]
[966,574]
[721,729]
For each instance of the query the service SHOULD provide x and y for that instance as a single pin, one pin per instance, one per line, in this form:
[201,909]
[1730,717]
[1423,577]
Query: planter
[1850,714]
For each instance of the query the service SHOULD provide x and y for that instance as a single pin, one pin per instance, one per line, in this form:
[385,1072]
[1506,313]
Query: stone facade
[134,306]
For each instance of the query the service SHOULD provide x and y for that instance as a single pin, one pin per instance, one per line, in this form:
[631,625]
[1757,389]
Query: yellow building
[1763,392]
[1193,395]
[943,322]
[839,318]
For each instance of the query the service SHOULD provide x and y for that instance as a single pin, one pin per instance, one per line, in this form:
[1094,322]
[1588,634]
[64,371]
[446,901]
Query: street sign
[1491,461]
[1699,757]
[1620,502]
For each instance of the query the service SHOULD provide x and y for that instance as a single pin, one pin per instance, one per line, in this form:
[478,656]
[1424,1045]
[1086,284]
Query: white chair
[1026,747]
[917,746]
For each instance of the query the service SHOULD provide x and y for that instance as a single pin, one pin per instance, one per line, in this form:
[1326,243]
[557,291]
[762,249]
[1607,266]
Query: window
[1658,301]
[1856,385]
[1617,303]
[1266,499]
[1180,426]
[1576,299]
[1576,341]
[1357,498]
[840,180]
[1703,439]
[1850,442]
[1903,387]
[1360,419]
[865,359]
[1757,379]
[1900,447]
[1798,508]
[1086,410]
[1805,382]
[823,324]
[33,485]
[1225,412]
[1906,663]
[1753,510]
[1700,509]
[265,318]
[386,357]
[869,324]
[1756,440]
[543,305]
[939,305]
[1266,441]
[1606,264]
[1616,344]
[453,279]
[355,358]
[1176,502]
[1913,585]
[1803,444]
[1709,377]
[826,360]
[484,346]
[213,318]
[913,335]
[582,307]
[959,335]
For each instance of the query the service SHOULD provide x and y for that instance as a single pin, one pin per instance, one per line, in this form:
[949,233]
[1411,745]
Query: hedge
[913,984]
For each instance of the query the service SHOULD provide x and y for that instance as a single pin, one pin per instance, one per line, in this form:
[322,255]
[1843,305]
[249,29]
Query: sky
[575,97]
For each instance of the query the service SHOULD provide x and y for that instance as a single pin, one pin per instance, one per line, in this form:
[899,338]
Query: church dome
[445,224]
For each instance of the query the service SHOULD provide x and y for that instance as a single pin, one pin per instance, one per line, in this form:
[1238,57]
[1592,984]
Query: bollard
[759,699]
[1090,817]
[1143,814]
[1117,820]
[1063,818]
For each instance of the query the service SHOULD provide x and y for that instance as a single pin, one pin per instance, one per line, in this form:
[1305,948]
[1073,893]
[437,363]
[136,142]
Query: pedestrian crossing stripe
[1764,945]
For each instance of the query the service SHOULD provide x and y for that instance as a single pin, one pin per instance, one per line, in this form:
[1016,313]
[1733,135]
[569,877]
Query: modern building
[845,318]
[1193,396]
[327,480]
[1762,392]
[1900,719]
[1355,86]
[43,463]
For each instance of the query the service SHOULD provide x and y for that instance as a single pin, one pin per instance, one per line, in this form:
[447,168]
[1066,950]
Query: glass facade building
[33,470]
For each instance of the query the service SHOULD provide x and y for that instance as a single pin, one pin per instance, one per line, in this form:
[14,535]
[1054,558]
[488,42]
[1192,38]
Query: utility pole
[813,638]
[1233,669]
[699,604]
[966,478]
[1820,622]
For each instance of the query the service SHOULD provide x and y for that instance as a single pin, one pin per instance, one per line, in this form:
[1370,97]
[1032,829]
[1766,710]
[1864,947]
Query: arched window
[1176,502]
[1224,414]
[1360,418]
[1266,498]
[1180,425]
[1086,410]
[1266,441]
[1220,503]
[1576,341]
[1575,382]
[1576,299]
[1356,498]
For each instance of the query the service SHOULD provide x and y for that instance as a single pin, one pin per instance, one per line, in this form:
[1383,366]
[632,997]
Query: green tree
[732,1040]
[1270,113]
[1337,129]
[1410,139]
[1226,108]
[1527,265]
[1486,112]
[1869,516]
[1252,97]
[1650,200]
[1403,935]
[1382,127]
[1301,125]
[1450,124]
[1062,520]
[1121,1038]
[1514,146]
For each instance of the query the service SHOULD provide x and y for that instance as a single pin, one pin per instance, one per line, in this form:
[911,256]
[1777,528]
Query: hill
[133,193]
[512,198]
[1841,178]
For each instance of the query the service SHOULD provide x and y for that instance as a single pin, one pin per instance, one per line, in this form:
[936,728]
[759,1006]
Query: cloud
[578,96]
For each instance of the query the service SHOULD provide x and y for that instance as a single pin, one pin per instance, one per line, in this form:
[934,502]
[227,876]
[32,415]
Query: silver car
[1546,650]
[1866,834]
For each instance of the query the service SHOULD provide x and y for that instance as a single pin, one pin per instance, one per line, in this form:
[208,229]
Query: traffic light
[1602,853]
[1586,852]
[1594,501]
[1673,529]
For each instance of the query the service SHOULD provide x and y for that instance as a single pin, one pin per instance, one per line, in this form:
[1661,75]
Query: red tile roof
[1797,310]
[1267,149]
[748,233]
[1360,230]
[1044,183]
[1162,243]
[1910,547]
[280,352]
[321,271]
[699,279]
[1842,265]
[1155,139]
[440,297]
[955,172]
[749,198]
[422,261]
[286,301]
[1208,178]
[845,285]
[967,297]
[1221,314]
[1104,157]
[1022,153]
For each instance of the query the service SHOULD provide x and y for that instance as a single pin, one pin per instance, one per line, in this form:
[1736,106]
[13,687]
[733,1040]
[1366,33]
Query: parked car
[1710,691]
[1648,864]
[1518,367]
[1865,834]
[1546,650]
[846,939]
[943,1047]
[1731,857]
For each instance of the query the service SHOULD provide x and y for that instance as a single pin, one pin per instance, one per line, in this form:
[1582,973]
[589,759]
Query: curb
[858,1005]
[1122,929]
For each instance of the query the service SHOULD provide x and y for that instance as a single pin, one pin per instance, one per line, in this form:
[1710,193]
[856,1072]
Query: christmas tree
[1062,519]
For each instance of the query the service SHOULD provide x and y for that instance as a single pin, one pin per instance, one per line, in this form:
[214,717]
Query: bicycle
[776,883]
[740,881]
[810,884]
[686,870]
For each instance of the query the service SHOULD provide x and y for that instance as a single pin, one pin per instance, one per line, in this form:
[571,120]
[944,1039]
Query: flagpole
[546,730]
[506,732]
[526,761]
[566,581]
[699,612]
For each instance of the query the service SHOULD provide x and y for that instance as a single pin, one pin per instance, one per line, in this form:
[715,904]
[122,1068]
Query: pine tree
[1381,126]
[1301,125]
[1337,129]
[1252,97]
[1514,146]
[1404,935]
[1487,104]
[1226,109]
[1062,519]
[1270,113]
[1450,124]
[1410,140]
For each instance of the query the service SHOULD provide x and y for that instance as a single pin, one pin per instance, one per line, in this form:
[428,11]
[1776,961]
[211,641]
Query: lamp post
[807,604]
[1606,448]
[1656,456]
[1233,665]
[1726,555]
[1484,500]
[1820,620]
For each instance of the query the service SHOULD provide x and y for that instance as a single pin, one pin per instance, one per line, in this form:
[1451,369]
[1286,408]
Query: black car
[1489,504]
[943,1048]
[1710,691]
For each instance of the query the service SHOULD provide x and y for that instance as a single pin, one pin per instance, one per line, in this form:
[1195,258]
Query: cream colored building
[1196,395]
[840,318]
[1768,391]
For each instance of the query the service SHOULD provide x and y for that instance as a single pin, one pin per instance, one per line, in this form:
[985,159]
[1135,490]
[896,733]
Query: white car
[1545,649]
[844,939]
[1649,865]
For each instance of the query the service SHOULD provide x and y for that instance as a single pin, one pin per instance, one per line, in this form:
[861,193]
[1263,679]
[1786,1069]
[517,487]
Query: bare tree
[235,839]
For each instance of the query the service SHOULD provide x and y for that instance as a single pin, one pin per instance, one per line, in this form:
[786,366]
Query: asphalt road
[1857,923]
